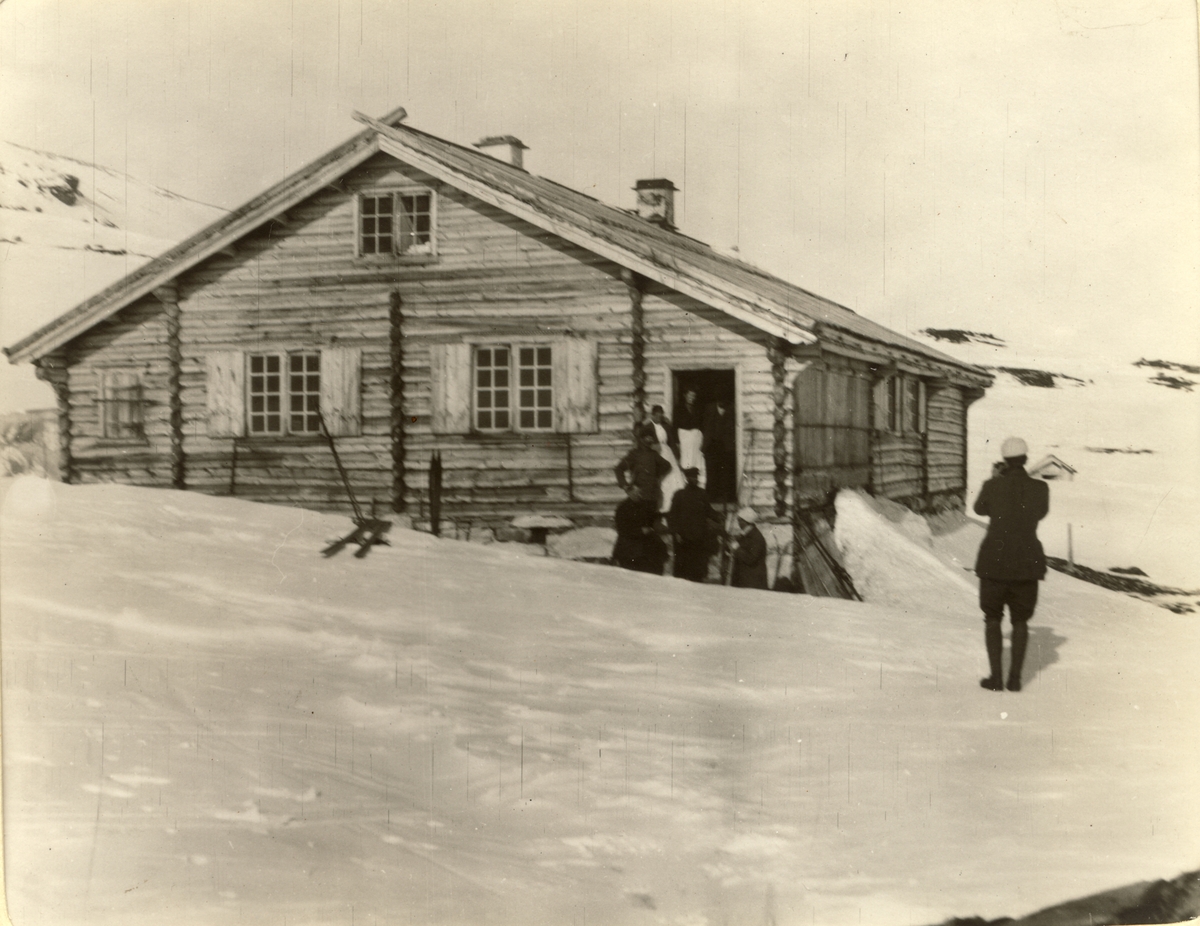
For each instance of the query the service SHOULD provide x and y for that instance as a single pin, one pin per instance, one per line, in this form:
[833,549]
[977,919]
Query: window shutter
[226,387]
[450,388]
[341,390]
[880,402]
[575,402]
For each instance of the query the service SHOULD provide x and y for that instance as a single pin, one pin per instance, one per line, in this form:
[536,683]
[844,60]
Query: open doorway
[708,419]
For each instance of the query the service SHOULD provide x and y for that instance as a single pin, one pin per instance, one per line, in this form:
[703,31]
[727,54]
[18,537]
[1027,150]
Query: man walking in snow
[1011,561]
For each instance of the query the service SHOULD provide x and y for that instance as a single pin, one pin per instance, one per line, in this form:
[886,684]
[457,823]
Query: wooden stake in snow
[1070,547]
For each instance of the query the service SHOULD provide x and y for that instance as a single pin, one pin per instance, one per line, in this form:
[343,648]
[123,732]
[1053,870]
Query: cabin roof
[1051,461]
[669,257]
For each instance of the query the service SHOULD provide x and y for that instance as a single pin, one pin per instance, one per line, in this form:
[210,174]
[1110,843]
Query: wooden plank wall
[832,399]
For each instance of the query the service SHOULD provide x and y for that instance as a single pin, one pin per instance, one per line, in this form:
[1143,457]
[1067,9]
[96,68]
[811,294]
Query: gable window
[122,405]
[395,223]
[497,405]
[280,403]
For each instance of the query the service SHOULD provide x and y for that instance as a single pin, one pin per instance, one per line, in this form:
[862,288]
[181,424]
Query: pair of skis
[368,529]
[366,533]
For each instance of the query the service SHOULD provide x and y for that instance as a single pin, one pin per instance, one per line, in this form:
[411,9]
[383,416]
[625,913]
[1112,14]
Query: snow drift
[205,720]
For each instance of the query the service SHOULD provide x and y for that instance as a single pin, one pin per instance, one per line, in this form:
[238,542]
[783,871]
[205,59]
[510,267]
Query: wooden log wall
[54,370]
[683,334]
[135,339]
[947,452]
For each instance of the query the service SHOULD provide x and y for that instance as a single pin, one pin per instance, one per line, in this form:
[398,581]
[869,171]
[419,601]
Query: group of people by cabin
[672,477]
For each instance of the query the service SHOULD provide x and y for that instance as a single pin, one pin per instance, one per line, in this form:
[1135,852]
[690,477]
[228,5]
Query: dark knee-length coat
[1015,502]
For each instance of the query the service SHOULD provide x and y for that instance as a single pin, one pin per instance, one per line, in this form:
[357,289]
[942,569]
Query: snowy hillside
[1130,427]
[67,230]
[206,721]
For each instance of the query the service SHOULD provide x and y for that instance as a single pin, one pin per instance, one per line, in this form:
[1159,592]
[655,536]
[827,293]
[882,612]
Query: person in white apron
[690,435]
[668,449]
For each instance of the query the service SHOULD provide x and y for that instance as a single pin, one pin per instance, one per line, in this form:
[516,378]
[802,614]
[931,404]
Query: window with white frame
[500,407]
[391,223]
[900,402]
[122,405]
[284,393]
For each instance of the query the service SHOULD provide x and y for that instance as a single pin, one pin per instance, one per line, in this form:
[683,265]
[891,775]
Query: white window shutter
[880,401]
[341,390]
[226,387]
[576,408]
[450,388]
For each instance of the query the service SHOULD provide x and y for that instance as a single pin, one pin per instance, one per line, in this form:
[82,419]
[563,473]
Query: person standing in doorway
[692,522]
[668,449]
[720,451]
[689,431]
[1011,561]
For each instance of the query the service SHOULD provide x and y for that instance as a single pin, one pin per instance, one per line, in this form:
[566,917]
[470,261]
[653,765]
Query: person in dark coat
[720,451]
[1011,561]
[638,546]
[643,467]
[692,521]
[749,553]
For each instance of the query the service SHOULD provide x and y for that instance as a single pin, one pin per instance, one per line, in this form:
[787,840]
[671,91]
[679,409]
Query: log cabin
[410,295]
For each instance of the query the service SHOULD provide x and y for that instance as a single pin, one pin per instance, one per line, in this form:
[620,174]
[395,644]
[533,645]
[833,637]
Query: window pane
[543,398]
[543,356]
[526,398]
[526,374]
[526,356]
[485,420]
[501,420]
[543,377]
[527,419]
[545,419]
[502,378]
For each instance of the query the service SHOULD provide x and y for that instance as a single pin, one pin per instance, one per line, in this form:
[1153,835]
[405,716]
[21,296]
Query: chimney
[656,202]
[506,148]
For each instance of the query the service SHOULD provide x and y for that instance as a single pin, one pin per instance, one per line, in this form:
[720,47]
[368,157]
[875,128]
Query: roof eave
[209,241]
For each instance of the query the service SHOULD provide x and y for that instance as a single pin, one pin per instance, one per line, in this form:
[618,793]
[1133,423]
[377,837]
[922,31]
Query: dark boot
[1020,639]
[994,639]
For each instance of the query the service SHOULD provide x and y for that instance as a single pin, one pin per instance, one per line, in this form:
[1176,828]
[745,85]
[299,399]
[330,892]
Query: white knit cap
[1013,447]
[749,515]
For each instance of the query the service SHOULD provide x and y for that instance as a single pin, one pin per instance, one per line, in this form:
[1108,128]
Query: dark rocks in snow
[1127,570]
[1123,583]
[1116,450]
[1041,378]
[66,192]
[1172,382]
[1169,365]
[961,336]
[1174,901]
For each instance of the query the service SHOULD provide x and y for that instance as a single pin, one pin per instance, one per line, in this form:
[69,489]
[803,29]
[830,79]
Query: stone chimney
[506,148]
[656,202]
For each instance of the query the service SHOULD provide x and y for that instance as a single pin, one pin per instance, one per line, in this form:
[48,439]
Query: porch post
[637,343]
[396,344]
[168,295]
[777,352]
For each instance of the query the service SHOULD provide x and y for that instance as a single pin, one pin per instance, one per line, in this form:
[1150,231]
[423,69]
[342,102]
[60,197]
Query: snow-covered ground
[1135,499]
[205,721]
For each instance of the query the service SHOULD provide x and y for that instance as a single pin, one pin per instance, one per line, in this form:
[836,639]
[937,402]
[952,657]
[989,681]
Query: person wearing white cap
[749,553]
[1011,561]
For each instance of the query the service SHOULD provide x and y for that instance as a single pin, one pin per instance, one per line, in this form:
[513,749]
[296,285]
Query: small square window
[395,223]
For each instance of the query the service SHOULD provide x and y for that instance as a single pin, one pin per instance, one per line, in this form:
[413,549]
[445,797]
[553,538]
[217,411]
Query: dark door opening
[711,419]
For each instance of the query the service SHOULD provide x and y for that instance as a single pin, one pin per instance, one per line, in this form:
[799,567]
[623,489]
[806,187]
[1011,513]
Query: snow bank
[205,720]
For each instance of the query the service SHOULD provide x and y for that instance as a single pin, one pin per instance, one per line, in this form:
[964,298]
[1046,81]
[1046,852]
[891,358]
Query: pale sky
[1026,168]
